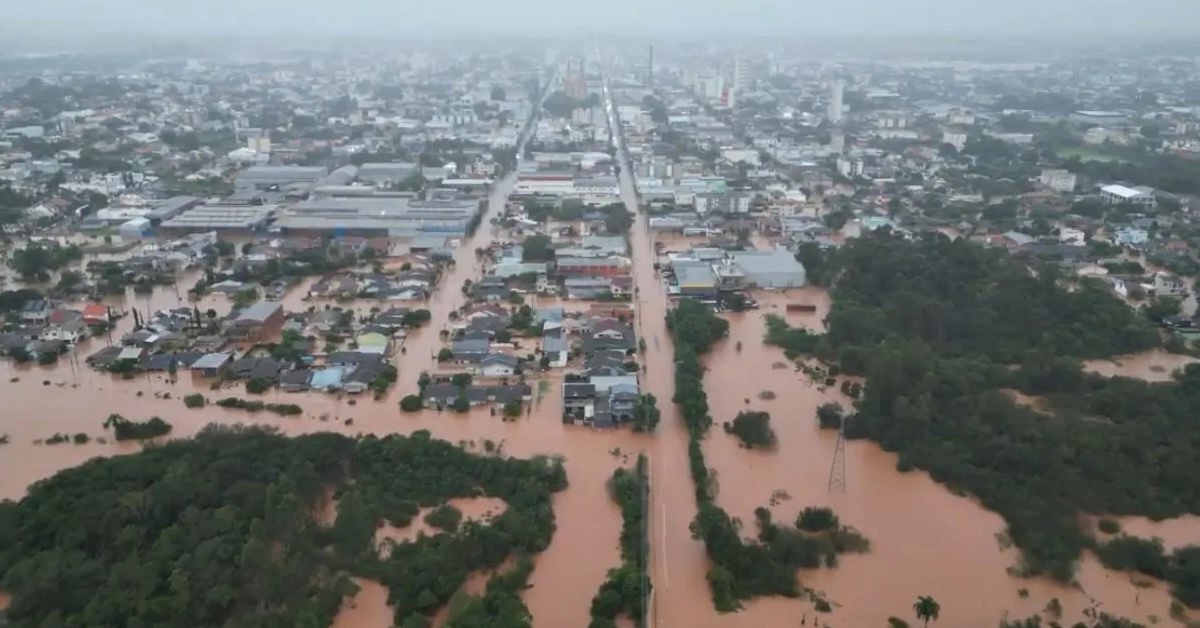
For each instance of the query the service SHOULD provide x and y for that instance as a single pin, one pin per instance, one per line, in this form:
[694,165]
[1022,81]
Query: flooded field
[914,524]
[480,509]
[367,608]
[1175,533]
[1154,366]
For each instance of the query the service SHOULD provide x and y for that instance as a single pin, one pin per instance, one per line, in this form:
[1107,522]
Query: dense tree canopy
[627,588]
[939,327]
[219,531]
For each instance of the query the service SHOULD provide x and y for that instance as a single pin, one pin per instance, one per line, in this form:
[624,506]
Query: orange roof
[95,310]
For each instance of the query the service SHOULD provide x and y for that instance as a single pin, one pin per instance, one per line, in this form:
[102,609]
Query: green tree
[411,403]
[537,248]
[752,428]
[927,609]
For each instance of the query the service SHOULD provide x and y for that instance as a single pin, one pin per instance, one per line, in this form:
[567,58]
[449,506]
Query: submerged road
[422,345]
[678,563]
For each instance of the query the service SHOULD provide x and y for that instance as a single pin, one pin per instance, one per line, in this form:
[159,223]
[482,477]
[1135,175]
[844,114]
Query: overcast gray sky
[433,19]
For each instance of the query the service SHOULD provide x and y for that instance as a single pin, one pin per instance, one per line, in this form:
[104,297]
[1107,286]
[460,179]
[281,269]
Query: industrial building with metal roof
[221,218]
[372,216]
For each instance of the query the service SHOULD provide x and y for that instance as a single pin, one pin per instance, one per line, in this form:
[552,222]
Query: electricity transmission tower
[837,471]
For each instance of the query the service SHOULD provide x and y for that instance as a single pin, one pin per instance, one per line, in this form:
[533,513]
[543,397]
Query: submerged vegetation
[124,429]
[219,531]
[753,429]
[282,409]
[939,327]
[627,588]
[1181,568]
[740,570]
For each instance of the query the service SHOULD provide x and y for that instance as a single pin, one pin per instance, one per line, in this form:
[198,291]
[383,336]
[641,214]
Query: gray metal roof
[259,312]
[171,207]
[212,361]
[281,174]
[221,217]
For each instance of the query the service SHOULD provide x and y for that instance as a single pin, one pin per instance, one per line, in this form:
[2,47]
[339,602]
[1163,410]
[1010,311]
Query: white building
[836,92]
[955,138]
[1073,237]
[1058,180]
[1120,194]
[849,167]
[1166,284]
[837,142]
[544,182]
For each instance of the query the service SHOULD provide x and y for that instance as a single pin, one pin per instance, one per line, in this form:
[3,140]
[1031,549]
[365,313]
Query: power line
[837,471]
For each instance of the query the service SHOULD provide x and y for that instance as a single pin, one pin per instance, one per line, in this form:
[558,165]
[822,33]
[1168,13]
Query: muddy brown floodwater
[566,575]
[1155,365]
[481,509]
[367,608]
[926,541]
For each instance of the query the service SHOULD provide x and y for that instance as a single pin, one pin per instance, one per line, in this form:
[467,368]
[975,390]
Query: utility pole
[837,471]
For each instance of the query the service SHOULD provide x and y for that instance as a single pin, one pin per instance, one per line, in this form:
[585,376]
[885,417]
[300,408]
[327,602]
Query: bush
[282,409]
[1109,526]
[445,354]
[125,429]
[829,416]
[47,358]
[461,404]
[512,408]
[411,403]
[445,517]
[195,400]
[1128,553]
[257,386]
[816,519]
[753,428]
[81,438]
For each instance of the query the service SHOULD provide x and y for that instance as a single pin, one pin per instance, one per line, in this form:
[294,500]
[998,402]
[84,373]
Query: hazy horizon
[61,22]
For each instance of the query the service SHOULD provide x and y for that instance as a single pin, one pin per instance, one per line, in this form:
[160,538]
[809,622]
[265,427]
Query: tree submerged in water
[927,609]
[753,429]
[124,429]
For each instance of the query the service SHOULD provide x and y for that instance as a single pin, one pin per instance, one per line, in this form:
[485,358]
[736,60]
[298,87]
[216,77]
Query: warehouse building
[374,216]
[775,269]
[170,208]
[220,218]
[279,177]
